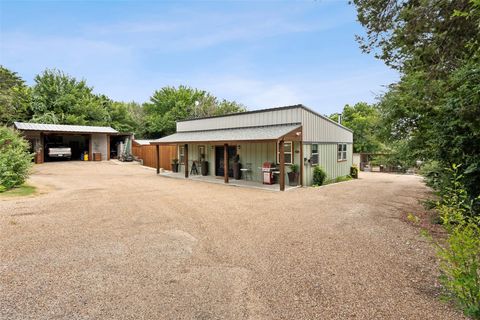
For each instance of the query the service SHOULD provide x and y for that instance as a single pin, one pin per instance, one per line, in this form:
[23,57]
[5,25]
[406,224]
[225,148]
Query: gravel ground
[108,241]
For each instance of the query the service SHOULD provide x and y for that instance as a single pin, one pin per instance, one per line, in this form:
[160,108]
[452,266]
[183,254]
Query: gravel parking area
[109,241]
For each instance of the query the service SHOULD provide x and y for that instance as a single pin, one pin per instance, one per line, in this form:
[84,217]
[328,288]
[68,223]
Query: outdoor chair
[247,171]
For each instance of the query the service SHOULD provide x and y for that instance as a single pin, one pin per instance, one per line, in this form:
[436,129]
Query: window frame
[200,152]
[341,152]
[181,154]
[314,154]
[291,153]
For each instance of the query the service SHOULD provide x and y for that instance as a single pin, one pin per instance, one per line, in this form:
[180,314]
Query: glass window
[342,152]
[287,148]
[202,153]
[314,155]
[181,154]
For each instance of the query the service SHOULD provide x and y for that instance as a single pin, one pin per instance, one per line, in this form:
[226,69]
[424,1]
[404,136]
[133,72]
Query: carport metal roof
[262,133]
[62,128]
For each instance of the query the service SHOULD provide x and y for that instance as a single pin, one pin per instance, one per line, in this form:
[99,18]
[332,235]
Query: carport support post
[186,159]
[158,158]
[225,162]
[90,147]
[282,165]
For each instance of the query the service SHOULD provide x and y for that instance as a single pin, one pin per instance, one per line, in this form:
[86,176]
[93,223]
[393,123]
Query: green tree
[60,98]
[434,109]
[14,97]
[363,119]
[126,117]
[429,35]
[170,104]
[433,114]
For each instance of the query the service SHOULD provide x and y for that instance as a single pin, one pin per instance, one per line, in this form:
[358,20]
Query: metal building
[286,137]
[97,142]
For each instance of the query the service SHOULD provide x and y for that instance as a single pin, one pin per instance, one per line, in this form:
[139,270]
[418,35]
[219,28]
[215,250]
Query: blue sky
[262,54]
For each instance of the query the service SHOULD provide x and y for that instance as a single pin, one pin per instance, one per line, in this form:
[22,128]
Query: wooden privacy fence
[148,154]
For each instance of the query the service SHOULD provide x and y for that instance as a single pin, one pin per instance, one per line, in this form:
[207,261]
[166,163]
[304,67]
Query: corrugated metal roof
[237,134]
[143,142]
[62,128]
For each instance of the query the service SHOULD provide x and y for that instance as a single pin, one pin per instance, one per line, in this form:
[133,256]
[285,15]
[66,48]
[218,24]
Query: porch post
[302,163]
[186,159]
[282,165]
[225,162]
[108,147]
[158,158]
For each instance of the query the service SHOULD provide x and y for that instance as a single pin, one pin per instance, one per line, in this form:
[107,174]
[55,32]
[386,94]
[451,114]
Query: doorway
[219,168]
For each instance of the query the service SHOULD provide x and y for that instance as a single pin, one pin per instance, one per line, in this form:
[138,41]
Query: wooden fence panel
[149,156]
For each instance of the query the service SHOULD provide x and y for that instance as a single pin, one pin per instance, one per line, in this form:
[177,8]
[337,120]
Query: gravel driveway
[111,241]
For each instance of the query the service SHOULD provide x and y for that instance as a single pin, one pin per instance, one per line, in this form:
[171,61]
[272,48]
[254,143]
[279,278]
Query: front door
[219,168]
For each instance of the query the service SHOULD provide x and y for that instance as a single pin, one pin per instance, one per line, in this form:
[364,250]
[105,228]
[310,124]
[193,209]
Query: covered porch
[232,182]
[236,156]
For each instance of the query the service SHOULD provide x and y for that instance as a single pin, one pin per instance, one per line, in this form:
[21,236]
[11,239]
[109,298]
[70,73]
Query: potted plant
[175,165]
[293,175]
[237,174]
[204,165]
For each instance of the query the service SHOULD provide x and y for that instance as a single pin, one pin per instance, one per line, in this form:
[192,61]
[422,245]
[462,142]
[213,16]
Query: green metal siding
[327,159]
[257,153]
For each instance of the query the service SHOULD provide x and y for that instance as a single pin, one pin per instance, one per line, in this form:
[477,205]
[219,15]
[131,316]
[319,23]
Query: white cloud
[325,94]
[191,30]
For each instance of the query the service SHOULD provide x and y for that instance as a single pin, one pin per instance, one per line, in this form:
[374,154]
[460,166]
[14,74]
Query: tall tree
[429,35]
[14,97]
[126,117]
[60,98]
[363,119]
[170,104]
[433,111]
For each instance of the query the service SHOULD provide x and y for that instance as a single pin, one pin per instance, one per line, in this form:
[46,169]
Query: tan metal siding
[318,129]
[99,144]
[266,118]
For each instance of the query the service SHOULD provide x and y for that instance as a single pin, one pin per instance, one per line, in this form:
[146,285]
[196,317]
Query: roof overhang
[237,135]
[63,128]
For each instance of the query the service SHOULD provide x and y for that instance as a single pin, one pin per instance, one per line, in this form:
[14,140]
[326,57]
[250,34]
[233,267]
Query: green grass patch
[21,191]
[339,179]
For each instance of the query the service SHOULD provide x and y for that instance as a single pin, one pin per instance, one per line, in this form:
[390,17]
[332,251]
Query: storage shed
[80,139]
[278,138]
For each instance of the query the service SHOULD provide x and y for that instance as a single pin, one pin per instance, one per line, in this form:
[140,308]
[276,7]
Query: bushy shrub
[319,176]
[15,159]
[460,267]
[460,255]
[354,172]
[433,174]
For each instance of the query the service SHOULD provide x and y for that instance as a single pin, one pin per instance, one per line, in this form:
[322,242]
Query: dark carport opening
[79,144]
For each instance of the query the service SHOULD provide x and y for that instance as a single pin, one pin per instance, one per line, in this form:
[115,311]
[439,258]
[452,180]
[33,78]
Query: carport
[92,139]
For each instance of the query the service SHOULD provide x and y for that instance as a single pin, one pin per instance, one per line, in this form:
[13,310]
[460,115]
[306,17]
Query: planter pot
[175,167]
[204,168]
[237,174]
[293,178]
